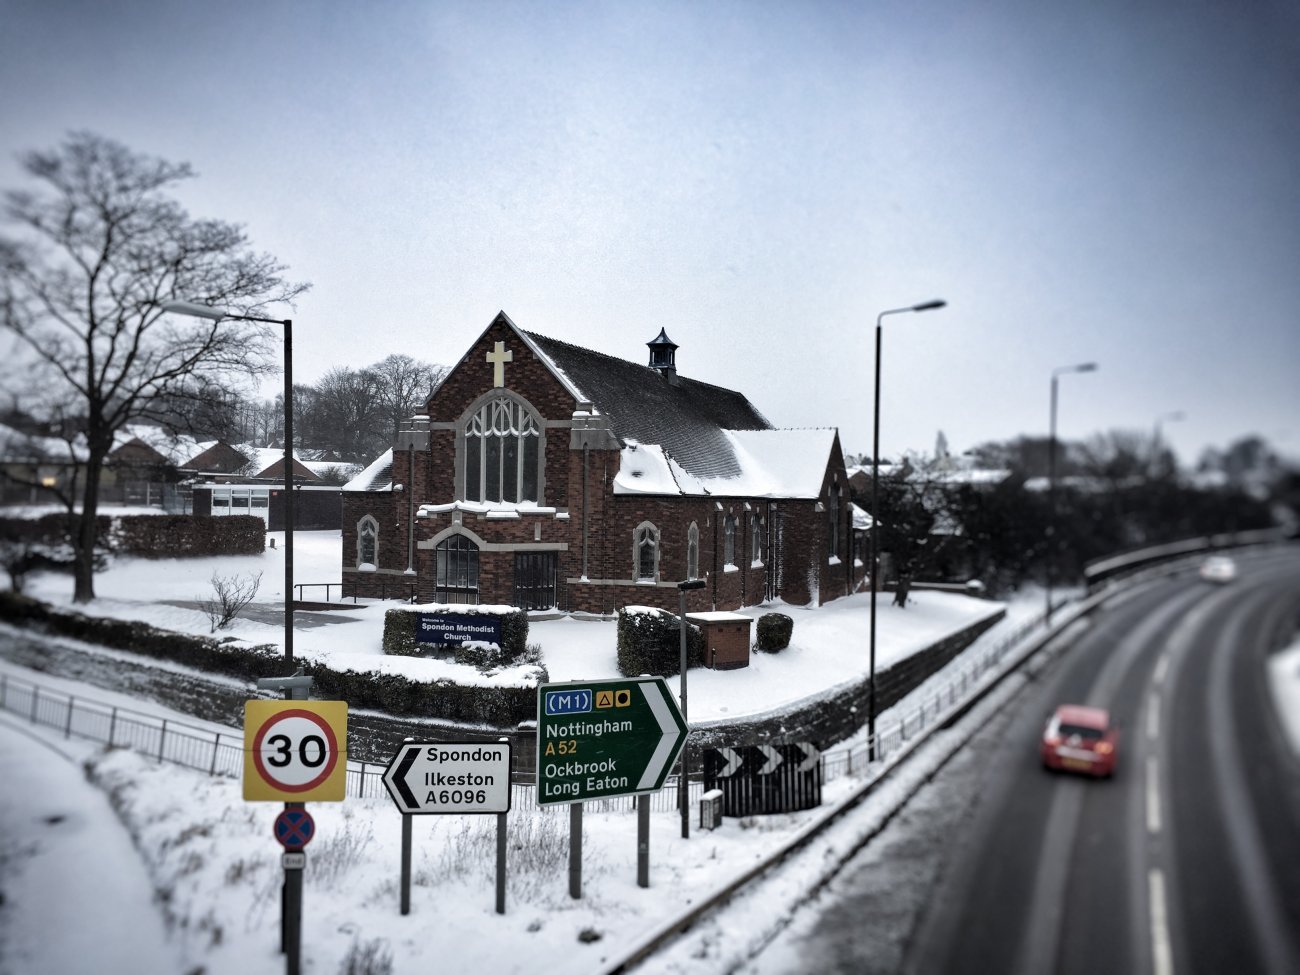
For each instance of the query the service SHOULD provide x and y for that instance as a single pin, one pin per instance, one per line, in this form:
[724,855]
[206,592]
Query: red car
[1080,739]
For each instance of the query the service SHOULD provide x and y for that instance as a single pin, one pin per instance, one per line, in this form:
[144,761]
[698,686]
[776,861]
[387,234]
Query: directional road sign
[294,828]
[295,751]
[597,739]
[450,777]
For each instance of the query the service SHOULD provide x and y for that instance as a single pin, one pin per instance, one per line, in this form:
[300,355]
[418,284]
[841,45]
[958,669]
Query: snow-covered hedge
[650,642]
[773,632]
[495,705]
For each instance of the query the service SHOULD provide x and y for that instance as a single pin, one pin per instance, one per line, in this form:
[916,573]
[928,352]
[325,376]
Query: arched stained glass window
[368,541]
[646,554]
[502,452]
[729,540]
[693,551]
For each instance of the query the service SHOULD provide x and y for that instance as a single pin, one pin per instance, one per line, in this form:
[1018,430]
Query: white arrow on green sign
[599,739]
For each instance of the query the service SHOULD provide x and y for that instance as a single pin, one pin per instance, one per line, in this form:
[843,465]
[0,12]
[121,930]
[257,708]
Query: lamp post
[683,782]
[1051,483]
[875,520]
[195,310]
[1155,439]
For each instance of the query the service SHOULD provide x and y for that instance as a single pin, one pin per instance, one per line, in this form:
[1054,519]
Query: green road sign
[597,739]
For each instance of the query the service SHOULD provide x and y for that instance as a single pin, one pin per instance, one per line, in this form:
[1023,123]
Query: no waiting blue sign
[294,828]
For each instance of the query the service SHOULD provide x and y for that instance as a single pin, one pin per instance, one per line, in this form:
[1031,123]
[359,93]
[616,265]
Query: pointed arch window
[502,452]
[368,541]
[729,540]
[646,552]
[755,540]
[693,551]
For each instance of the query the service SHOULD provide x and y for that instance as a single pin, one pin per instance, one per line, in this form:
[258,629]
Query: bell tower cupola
[663,355]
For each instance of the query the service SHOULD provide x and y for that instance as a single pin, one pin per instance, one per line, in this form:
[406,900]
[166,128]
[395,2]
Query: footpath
[65,854]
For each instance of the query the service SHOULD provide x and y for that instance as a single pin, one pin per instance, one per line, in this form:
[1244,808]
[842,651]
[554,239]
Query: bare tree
[99,249]
[230,594]
[341,413]
[404,388]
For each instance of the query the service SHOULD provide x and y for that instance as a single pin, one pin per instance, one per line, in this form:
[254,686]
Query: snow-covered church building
[544,475]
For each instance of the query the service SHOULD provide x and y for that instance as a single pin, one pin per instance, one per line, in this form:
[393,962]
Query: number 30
[282,755]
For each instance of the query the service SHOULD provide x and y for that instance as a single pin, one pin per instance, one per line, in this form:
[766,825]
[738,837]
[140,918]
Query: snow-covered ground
[70,869]
[829,645]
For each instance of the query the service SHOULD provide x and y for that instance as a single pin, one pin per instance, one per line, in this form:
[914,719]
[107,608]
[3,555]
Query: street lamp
[683,782]
[1051,482]
[1173,417]
[195,310]
[875,519]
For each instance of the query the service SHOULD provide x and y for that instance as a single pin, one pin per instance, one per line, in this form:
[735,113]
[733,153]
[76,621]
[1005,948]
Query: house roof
[685,417]
[175,448]
[19,447]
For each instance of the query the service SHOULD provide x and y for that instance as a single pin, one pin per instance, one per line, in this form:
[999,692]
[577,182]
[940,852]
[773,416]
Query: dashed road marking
[1162,955]
[1153,795]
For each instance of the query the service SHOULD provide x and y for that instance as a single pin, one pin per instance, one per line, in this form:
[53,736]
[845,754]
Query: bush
[500,707]
[399,634]
[200,652]
[181,536]
[650,642]
[148,536]
[773,632]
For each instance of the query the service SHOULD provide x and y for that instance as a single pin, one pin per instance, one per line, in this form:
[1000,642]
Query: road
[1185,862]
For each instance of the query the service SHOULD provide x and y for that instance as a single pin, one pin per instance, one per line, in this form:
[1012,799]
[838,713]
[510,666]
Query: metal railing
[222,753]
[404,591]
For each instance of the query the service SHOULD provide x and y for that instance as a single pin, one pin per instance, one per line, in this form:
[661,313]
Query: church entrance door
[535,580]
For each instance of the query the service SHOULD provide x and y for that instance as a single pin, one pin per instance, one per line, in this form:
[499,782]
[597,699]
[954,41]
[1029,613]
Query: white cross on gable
[499,356]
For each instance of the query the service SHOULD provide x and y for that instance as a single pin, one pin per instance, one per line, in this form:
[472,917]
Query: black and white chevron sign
[757,779]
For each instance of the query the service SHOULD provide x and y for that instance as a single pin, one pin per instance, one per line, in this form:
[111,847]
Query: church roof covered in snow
[769,464]
[686,418]
[377,477]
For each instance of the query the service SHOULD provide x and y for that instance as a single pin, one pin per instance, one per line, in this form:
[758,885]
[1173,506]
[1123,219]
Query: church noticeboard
[453,629]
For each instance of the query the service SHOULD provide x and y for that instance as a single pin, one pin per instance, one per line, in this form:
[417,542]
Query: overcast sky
[1108,181]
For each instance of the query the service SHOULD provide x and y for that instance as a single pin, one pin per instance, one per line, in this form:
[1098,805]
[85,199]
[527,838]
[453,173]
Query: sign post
[295,750]
[450,777]
[600,739]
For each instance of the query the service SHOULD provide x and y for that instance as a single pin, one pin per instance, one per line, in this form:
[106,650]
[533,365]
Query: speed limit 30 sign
[295,751]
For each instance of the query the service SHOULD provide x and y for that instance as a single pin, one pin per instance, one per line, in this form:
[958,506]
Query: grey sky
[1107,181]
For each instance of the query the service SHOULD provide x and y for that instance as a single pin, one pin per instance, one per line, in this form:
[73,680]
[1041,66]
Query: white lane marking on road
[1162,665]
[1162,955]
[1153,794]
[1153,715]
